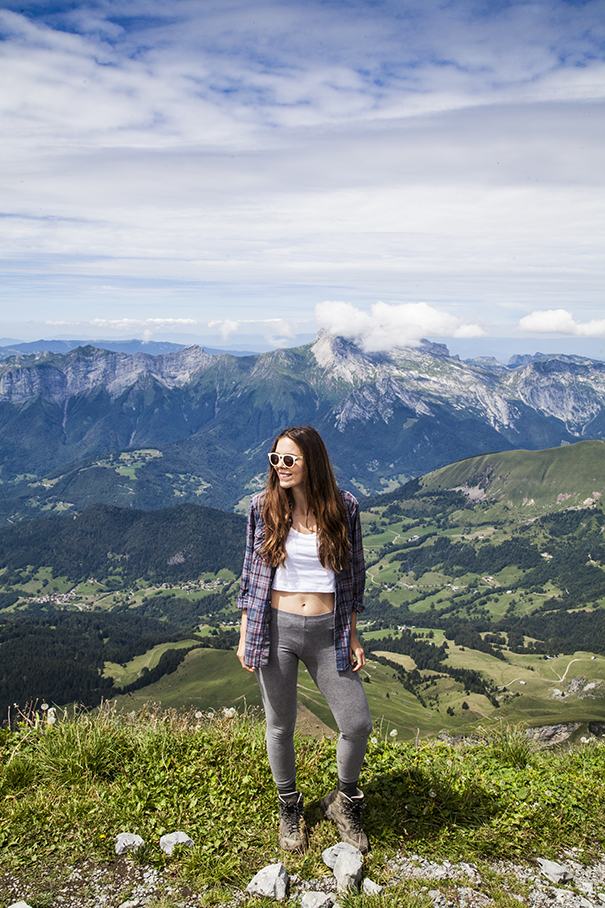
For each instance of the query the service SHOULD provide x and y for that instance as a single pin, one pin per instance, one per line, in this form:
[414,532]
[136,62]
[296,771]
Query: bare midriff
[302,603]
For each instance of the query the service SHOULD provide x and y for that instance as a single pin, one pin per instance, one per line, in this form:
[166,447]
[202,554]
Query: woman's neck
[302,518]
[299,500]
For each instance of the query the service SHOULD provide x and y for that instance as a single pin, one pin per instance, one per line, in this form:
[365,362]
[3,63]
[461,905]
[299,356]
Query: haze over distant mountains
[502,349]
[196,427]
[10,347]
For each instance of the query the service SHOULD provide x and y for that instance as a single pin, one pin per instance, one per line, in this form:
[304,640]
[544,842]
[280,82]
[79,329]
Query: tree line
[177,543]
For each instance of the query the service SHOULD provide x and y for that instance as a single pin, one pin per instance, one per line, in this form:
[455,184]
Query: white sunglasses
[288,460]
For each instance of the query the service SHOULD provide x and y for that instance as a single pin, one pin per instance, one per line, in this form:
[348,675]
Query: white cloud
[147,326]
[136,322]
[254,156]
[388,326]
[275,326]
[226,328]
[560,321]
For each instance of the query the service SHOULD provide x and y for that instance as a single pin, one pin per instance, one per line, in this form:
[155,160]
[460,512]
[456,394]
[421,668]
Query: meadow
[67,789]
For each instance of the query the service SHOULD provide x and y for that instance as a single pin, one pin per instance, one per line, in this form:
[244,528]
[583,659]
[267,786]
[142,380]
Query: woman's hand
[356,653]
[241,647]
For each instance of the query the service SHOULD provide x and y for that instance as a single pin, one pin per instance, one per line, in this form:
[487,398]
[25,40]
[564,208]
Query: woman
[302,586]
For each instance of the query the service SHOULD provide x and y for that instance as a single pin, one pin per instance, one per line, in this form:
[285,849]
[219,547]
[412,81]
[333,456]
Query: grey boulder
[316,900]
[347,870]
[271,882]
[128,841]
[330,855]
[556,873]
[171,839]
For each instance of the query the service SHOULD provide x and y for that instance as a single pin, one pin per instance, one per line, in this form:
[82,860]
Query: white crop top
[302,571]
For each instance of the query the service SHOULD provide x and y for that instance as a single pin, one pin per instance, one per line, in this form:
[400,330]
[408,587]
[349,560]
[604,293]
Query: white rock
[20,904]
[131,903]
[330,855]
[316,900]
[271,881]
[168,841]
[127,841]
[370,887]
[556,873]
[347,871]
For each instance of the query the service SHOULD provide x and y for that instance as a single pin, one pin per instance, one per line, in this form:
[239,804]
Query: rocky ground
[125,884]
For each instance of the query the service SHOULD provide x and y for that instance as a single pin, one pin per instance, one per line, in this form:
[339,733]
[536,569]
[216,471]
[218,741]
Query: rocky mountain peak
[57,377]
[341,358]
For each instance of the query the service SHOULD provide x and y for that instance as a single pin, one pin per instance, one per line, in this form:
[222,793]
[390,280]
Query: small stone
[370,887]
[347,870]
[20,904]
[171,839]
[128,841]
[556,873]
[131,903]
[330,855]
[316,900]
[271,882]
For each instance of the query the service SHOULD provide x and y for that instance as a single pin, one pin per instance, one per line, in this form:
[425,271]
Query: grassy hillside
[67,790]
[214,679]
[530,482]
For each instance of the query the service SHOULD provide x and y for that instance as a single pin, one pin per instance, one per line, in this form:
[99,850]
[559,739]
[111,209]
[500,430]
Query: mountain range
[144,431]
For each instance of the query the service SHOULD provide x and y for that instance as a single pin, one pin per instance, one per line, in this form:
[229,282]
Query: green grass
[66,791]
[530,481]
[206,679]
[209,679]
[126,674]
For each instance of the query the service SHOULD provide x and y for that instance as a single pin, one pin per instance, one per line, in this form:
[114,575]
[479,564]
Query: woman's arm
[241,648]
[357,655]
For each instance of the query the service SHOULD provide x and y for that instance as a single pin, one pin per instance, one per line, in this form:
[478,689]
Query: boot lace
[290,814]
[352,810]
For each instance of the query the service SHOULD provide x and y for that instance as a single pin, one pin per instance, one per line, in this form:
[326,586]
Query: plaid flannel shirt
[257,579]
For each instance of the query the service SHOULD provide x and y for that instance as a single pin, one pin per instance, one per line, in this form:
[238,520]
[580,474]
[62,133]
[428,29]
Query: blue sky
[229,169]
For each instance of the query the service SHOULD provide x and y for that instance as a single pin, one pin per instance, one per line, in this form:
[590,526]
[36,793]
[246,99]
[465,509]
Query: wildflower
[393,733]
[229,713]
[51,718]
[44,707]
[432,793]
[373,740]
[199,714]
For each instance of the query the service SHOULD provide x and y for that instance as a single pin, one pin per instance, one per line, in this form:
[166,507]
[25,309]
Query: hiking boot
[346,813]
[292,832]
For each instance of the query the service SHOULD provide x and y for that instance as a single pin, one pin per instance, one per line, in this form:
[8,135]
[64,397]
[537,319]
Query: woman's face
[290,477]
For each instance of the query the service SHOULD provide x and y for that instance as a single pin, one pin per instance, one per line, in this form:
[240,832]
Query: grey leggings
[311,640]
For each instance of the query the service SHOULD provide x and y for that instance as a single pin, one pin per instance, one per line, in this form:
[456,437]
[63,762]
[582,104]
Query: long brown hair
[323,498]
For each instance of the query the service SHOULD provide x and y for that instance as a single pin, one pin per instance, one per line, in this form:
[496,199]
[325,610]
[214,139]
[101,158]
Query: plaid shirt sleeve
[255,589]
[350,585]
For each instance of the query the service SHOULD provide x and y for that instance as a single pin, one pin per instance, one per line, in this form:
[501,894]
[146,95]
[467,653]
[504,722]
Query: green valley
[485,600]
